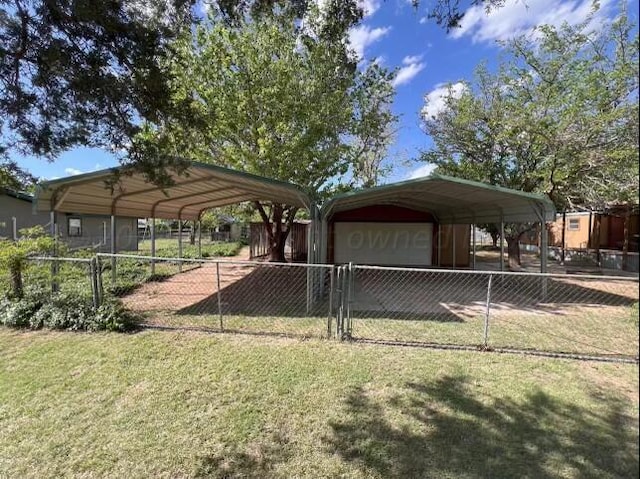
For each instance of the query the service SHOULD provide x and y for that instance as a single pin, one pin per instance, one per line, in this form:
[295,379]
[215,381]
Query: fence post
[349,281]
[330,314]
[14,228]
[99,279]
[340,305]
[94,283]
[219,295]
[485,341]
[55,266]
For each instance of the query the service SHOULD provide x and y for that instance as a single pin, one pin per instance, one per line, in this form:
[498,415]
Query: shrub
[73,312]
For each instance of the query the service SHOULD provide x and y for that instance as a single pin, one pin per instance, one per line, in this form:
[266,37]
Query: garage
[421,223]
[389,244]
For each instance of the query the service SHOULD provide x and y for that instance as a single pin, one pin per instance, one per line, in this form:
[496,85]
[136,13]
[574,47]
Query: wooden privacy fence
[295,249]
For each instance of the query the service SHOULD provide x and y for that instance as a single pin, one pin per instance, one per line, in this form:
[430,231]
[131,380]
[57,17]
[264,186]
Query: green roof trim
[220,169]
[104,173]
[435,176]
[542,201]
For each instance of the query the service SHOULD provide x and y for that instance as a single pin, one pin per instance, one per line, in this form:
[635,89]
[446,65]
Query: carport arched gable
[200,187]
[451,201]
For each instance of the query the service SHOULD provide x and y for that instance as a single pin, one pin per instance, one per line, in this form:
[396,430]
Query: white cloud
[369,7]
[423,20]
[362,36]
[407,73]
[436,100]
[408,60]
[421,171]
[72,171]
[518,17]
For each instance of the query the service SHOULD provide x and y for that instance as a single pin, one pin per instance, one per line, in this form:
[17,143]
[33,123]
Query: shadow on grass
[445,431]
[442,429]
[257,461]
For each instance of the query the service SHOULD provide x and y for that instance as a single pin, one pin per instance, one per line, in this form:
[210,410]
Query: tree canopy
[83,72]
[279,97]
[559,116]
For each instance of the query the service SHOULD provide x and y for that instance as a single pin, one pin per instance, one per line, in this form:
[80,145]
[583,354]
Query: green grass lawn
[168,248]
[171,404]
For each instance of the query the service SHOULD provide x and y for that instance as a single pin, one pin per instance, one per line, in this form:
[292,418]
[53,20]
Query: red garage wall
[398,214]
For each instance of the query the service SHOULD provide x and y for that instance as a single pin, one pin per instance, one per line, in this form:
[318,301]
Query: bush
[67,311]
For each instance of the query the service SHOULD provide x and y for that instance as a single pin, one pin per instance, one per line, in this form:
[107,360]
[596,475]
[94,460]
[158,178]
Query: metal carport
[451,201]
[200,187]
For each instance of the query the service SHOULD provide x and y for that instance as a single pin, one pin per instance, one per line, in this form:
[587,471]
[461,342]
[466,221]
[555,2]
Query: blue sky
[428,58]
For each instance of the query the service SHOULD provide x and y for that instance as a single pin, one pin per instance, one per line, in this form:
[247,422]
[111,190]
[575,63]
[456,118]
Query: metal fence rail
[527,311]
[547,313]
[75,276]
[226,295]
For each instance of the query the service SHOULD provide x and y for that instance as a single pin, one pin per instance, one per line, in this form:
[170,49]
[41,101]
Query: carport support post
[199,239]
[153,246]
[473,242]
[544,246]
[501,243]
[113,249]
[544,254]
[439,243]
[179,245]
[485,339]
[453,246]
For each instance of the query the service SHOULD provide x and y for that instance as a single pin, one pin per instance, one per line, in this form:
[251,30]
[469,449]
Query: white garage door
[399,244]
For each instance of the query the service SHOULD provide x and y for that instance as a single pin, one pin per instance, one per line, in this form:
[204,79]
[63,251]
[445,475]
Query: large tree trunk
[277,229]
[596,235]
[513,252]
[494,239]
[276,250]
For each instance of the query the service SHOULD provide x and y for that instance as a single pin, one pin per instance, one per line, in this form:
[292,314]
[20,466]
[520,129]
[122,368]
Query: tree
[14,177]
[276,97]
[14,254]
[83,72]
[560,116]
[449,13]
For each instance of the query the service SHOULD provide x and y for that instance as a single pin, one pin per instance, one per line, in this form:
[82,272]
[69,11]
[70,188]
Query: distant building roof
[21,195]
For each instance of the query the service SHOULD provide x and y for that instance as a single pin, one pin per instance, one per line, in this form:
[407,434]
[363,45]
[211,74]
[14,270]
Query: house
[19,205]
[588,230]
[598,237]
[76,230]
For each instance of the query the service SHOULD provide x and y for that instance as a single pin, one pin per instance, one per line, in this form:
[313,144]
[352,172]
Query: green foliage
[222,249]
[69,311]
[14,254]
[83,72]
[276,97]
[560,116]
[14,177]
[271,98]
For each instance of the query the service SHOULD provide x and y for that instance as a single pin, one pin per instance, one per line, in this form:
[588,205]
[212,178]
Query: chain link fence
[72,276]
[593,315]
[552,313]
[224,295]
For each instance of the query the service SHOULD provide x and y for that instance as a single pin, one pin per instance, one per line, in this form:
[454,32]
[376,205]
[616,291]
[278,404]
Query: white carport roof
[451,200]
[200,187]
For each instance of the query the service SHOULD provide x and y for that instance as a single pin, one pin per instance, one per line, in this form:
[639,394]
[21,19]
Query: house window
[75,227]
[574,224]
